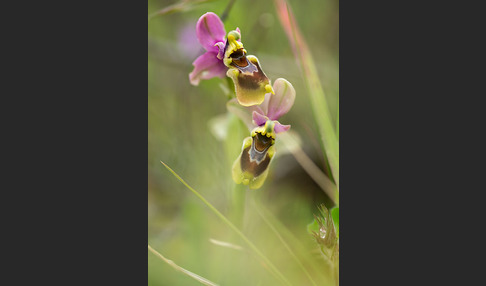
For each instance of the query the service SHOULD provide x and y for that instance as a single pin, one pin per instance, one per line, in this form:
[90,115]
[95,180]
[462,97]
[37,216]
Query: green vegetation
[202,227]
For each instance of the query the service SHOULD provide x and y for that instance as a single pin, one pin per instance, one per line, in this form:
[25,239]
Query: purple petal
[220,46]
[207,66]
[259,119]
[257,108]
[283,99]
[210,30]
[264,105]
[279,128]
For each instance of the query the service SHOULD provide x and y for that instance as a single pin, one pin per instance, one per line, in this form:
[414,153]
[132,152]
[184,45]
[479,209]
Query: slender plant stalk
[225,14]
[185,271]
[237,213]
[314,172]
[272,267]
[318,98]
[181,6]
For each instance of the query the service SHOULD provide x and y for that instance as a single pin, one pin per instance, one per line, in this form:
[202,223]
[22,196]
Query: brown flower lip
[240,61]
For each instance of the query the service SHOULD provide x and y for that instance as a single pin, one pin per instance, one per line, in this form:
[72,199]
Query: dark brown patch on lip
[251,76]
[248,82]
[239,59]
[248,68]
[253,167]
[262,142]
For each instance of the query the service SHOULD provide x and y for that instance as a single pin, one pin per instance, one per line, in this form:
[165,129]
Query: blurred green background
[180,226]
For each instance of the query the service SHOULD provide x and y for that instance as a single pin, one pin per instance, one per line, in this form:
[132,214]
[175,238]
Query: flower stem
[227,10]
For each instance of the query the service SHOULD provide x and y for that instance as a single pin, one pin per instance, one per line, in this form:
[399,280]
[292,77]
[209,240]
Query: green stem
[227,10]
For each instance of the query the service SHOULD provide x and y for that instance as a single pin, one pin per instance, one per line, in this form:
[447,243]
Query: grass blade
[225,244]
[312,170]
[318,99]
[180,269]
[181,6]
[272,267]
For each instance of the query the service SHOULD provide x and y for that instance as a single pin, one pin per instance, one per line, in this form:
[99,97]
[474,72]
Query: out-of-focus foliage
[185,126]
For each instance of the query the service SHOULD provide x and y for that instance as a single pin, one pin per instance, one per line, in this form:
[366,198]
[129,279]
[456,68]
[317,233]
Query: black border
[409,131]
[75,193]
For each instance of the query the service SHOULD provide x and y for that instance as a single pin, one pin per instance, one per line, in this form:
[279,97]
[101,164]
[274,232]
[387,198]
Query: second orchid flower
[251,166]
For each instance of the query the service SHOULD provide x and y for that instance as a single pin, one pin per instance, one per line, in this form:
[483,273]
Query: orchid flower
[272,108]
[251,167]
[250,81]
[275,106]
[228,57]
[210,33]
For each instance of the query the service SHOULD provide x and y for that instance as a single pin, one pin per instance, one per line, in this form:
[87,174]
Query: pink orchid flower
[211,34]
[227,57]
[272,108]
[251,167]
[275,106]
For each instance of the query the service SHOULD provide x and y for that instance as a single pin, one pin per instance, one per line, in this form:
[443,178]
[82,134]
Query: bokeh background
[183,126]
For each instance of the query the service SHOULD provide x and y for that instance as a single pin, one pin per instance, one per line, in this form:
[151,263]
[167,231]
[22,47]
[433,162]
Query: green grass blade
[180,269]
[318,99]
[272,267]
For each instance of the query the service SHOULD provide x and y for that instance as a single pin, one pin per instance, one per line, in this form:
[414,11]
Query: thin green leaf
[291,141]
[318,99]
[313,227]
